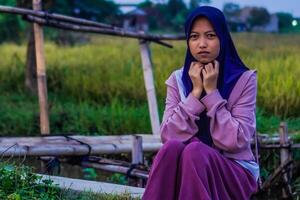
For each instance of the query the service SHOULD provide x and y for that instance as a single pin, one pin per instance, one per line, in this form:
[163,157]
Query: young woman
[209,120]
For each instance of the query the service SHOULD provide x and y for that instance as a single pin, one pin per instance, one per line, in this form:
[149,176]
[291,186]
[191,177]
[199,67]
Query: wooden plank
[41,72]
[93,186]
[149,85]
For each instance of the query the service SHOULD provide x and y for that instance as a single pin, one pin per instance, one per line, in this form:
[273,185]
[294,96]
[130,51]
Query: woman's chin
[205,61]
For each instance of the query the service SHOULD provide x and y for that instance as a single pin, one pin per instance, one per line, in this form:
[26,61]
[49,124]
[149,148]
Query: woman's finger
[209,68]
[217,65]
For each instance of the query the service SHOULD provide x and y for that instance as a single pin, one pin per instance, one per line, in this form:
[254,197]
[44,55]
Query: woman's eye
[193,36]
[211,35]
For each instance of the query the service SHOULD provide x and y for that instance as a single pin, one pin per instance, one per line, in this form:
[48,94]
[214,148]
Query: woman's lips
[203,53]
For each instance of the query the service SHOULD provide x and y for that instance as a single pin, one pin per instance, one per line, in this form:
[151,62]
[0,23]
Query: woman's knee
[173,146]
[197,151]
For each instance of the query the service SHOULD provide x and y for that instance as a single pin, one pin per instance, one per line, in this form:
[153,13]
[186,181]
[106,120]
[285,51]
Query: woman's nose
[202,43]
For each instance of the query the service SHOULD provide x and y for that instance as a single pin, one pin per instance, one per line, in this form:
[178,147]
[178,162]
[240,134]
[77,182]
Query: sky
[290,6]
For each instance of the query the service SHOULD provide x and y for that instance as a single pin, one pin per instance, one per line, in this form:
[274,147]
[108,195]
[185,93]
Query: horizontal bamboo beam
[64,18]
[106,165]
[72,139]
[81,145]
[89,29]
[274,140]
[116,31]
[118,169]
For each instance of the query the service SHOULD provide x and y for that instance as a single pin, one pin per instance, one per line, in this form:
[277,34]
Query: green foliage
[12,27]
[99,89]
[89,174]
[19,183]
[231,10]
[258,17]
[196,3]
[118,178]
[284,21]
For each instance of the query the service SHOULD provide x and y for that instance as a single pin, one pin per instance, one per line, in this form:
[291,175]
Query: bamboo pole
[149,85]
[104,164]
[271,142]
[72,149]
[137,150]
[137,154]
[269,181]
[41,72]
[78,21]
[89,29]
[64,18]
[284,157]
[114,168]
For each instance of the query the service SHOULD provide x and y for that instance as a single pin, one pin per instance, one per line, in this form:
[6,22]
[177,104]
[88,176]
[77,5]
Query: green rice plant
[110,68]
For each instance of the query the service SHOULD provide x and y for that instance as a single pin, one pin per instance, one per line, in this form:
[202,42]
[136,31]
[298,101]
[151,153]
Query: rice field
[105,78]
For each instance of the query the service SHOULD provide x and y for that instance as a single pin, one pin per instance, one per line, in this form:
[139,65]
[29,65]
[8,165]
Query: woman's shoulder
[246,83]
[248,77]
[174,76]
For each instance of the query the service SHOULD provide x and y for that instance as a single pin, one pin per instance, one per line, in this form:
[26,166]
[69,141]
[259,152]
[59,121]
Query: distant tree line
[168,16]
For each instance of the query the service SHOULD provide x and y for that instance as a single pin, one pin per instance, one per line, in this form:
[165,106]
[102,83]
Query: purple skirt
[197,171]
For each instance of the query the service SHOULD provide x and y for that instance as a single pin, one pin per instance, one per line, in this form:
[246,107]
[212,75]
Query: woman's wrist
[210,91]
[196,93]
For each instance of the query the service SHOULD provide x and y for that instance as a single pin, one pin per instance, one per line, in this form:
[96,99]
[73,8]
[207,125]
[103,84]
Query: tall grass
[99,87]
[110,68]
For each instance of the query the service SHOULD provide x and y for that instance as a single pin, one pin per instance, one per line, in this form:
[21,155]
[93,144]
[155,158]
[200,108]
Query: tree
[258,16]
[285,21]
[231,10]
[176,6]
[12,26]
[196,3]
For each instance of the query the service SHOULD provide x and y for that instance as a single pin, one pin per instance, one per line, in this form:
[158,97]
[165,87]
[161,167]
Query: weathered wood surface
[57,19]
[93,186]
[68,146]
[73,145]
[41,72]
[284,157]
[149,85]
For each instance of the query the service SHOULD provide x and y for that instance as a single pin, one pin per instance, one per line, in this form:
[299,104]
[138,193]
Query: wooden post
[137,150]
[41,72]
[137,154]
[149,85]
[284,157]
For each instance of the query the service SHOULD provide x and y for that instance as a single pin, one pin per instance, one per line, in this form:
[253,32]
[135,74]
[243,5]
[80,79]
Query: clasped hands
[210,73]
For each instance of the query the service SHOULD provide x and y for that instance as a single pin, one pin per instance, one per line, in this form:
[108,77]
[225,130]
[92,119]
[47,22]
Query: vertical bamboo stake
[284,156]
[41,72]
[137,154]
[149,85]
[137,149]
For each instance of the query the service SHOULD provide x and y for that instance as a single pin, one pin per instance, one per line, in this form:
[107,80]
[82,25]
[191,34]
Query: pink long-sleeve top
[232,121]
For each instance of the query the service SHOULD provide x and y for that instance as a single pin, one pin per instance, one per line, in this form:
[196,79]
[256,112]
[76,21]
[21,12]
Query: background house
[136,20]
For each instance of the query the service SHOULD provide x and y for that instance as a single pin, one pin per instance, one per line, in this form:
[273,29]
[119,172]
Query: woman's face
[203,42]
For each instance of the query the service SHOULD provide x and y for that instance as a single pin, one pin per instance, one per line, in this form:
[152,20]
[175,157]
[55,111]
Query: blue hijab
[231,66]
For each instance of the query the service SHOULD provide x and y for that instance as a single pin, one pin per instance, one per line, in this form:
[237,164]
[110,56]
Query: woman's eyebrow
[210,31]
[204,32]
